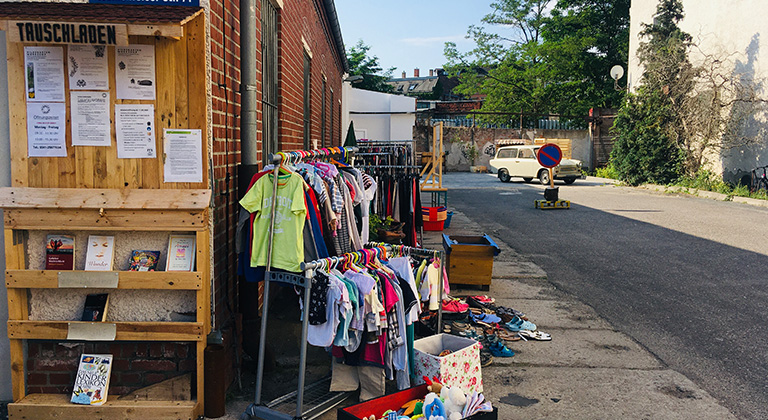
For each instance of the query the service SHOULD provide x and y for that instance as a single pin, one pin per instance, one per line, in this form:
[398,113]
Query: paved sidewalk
[587,371]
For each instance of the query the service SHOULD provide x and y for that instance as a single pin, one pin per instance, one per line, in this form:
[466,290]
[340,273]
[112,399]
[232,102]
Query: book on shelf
[95,309]
[142,260]
[181,253]
[60,252]
[100,254]
[92,381]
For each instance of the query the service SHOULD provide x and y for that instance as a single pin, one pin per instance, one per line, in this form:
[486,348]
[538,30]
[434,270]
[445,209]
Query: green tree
[361,64]
[650,126]
[545,62]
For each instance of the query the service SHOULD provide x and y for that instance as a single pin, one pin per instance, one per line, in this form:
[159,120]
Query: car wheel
[569,181]
[544,177]
[527,179]
[504,175]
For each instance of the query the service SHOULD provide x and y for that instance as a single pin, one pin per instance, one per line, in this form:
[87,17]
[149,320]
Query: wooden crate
[470,259]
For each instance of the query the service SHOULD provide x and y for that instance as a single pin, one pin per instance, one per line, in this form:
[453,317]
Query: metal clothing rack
[409,250]
[320,402]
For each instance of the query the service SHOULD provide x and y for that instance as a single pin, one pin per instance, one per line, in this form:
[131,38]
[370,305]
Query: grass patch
[707,181]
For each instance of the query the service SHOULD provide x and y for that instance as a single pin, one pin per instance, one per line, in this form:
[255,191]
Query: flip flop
[535,335]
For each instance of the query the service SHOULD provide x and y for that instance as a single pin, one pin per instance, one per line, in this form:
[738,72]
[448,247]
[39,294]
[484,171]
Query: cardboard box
[459,368]
[378,406]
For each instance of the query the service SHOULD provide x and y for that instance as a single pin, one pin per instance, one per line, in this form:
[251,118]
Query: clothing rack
[321,403]
[423,252]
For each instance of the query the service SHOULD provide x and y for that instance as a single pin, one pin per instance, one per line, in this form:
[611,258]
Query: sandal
[535,335]
[487,318]
[517,324]
[485,359]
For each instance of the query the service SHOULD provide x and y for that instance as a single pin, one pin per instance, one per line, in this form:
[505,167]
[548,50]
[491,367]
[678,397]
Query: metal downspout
[248,96]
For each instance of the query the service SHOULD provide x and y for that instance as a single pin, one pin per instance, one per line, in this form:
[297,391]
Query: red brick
[156,349]
[37,379]
[130,378]
[121,364]
[55,365]
[187,365]
[153,378]
[61,379]
[153,365]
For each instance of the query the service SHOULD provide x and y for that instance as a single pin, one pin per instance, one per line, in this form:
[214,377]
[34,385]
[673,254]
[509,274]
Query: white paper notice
[88,67]
[135,131]
[135,71]
[90,119]
[44,71]
[183,155]
[46,129]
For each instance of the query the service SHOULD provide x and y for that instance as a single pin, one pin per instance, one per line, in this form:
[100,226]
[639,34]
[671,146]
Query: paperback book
[92,381]
[60,252]
[181,253]
[95,309]
[100,254]
[142,260]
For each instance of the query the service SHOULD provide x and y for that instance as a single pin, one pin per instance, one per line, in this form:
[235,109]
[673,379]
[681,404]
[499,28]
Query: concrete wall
[711,23]
[457,140]
[5,181]
[388,124]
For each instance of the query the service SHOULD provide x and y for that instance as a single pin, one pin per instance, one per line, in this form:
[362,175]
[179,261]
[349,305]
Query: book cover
[181,253]
[95,309]
[60,252]
[92,381]
[100,254]
[142,260]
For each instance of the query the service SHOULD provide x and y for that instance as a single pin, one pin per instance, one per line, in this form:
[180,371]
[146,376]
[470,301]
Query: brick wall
[52,366]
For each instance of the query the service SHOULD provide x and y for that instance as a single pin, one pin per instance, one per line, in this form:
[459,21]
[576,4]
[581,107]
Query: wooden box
[470,259]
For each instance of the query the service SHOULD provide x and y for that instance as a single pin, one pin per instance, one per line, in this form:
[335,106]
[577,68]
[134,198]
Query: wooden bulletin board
[181,102]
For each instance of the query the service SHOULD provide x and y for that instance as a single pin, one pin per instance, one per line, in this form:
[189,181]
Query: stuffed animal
[454,401]
[433,385]
[433,407]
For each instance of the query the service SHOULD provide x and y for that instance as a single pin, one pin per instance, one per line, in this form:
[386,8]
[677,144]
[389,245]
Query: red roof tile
[89,12]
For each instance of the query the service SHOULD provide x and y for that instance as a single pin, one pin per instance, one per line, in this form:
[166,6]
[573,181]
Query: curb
[704,194]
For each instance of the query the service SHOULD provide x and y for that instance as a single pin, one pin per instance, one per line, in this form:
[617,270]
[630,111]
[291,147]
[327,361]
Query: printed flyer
[46,129]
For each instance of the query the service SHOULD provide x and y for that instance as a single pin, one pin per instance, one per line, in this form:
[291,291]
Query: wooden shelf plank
[94,219]
[57,406]
[153,280]
[94,198]
[126,331]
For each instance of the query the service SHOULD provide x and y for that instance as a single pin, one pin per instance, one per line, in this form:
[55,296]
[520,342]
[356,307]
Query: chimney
[403,75]
[431,72]
[416,72]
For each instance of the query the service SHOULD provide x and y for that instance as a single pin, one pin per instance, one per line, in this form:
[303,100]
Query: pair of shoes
[457,327]
[504,312]
[500,350]
[506,335]
[535,335]
[454,306]
[483,299]
[517,324]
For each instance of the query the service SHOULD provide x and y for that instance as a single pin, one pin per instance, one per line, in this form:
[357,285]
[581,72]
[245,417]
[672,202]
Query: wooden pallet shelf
[126,331]
[134,280]
[57,406]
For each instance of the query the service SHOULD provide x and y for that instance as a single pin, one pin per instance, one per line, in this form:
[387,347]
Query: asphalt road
[685,277]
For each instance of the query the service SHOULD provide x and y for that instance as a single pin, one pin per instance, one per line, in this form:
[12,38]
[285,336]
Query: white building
[728,28]
[376,115]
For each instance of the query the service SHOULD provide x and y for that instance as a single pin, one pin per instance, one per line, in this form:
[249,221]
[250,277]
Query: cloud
[431,41]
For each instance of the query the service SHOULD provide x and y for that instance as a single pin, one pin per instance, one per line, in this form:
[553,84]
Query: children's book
[181,253]
[60,252]
[92,381]
[95,309]
[142,260]
[100,254]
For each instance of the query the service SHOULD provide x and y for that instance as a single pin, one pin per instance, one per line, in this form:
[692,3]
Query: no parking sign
[549,155]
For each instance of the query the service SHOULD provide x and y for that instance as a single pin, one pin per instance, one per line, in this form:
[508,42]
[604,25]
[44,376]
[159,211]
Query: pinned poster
[135,131]
[46,129]
[44,74]
[183,155]
[90,119]
[135,71]
[88,68]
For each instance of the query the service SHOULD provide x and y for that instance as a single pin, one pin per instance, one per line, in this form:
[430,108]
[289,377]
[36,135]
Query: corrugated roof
[90,12]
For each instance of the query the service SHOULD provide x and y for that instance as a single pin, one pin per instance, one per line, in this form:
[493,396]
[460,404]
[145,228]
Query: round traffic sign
[549,155]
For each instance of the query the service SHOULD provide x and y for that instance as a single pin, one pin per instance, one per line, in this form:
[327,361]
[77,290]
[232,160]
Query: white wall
[5,181]
[727,28]
[388,124]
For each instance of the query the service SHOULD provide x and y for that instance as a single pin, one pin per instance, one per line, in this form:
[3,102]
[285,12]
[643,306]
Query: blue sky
[409,34]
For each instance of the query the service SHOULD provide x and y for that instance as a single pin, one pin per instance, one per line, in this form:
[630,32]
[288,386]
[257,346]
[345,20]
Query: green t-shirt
[290,213]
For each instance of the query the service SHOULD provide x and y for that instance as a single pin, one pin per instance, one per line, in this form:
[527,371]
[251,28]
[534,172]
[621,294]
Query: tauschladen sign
[68,32]
[194,3]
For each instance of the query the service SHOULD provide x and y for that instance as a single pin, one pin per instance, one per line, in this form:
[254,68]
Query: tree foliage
[532,60]
[361,64]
